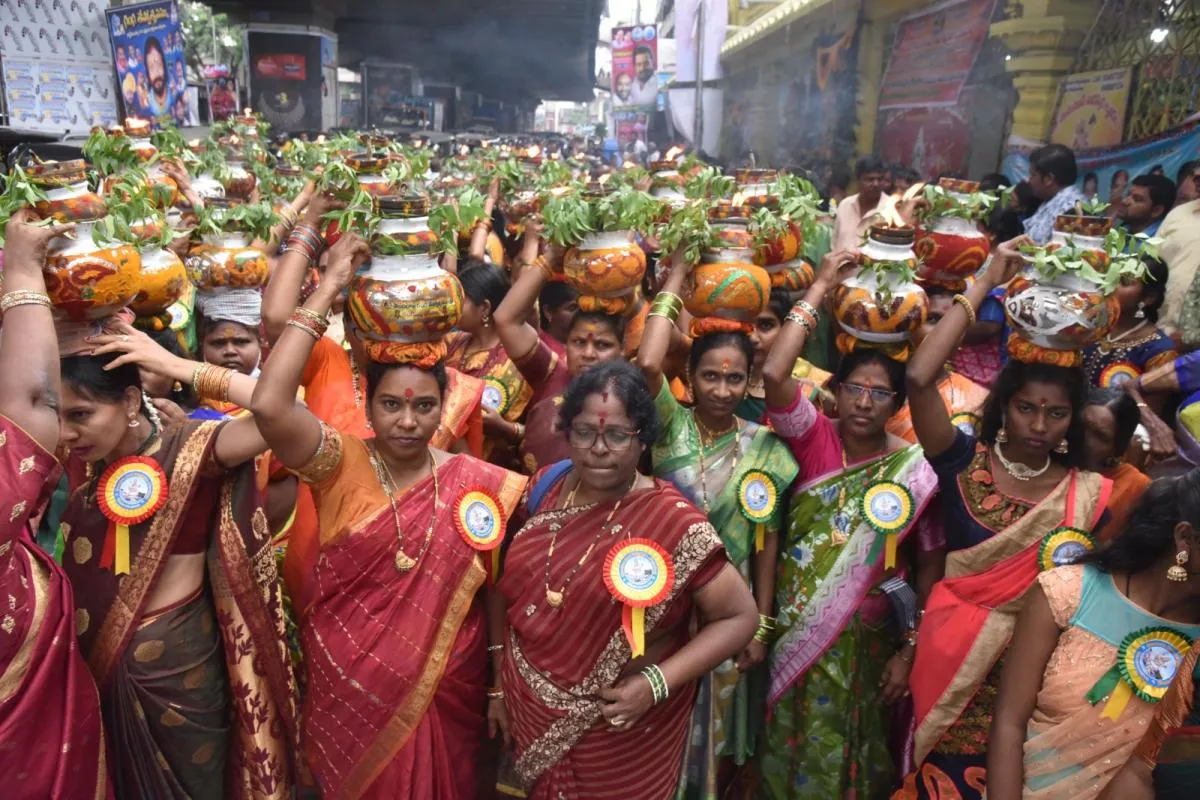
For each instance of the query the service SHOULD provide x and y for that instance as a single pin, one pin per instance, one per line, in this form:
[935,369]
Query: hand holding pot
[320,204]
[1007,261]
[836,266]
[25,241]
[345,257]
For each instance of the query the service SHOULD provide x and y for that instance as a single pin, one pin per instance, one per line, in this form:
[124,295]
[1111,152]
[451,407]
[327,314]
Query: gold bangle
[23,297]
[961,299]
[802,318]
[804,305]
[520,430]
[304,326]
[311,316]
[495,694]
[212,382]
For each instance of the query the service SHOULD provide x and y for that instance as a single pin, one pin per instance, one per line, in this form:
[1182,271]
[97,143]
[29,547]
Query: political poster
[934,52]
[635,66]
[147,48]
[1091,109]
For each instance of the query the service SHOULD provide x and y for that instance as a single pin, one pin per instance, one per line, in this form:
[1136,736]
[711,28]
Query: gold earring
[1176,571]
[1062,447]
[1002,436]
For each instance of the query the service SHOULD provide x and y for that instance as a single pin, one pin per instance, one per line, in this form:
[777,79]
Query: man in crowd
[1180,249]
[1146,203]
[1187,182]
[855,214]
[1052,176]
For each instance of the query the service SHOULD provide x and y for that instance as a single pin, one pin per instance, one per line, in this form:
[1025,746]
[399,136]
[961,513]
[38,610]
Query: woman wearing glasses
[736,473]
[1007,498]
[847,612]
[609,563]
[395,633]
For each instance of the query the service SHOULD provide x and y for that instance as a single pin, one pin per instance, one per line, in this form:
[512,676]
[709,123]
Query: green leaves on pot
[767,225]
[689,229]
[941,203]
[709,183]
[567,218]
[1125,252]
[1092,206]
[459,215]
[253,219]
[627,209]
[340,179]
[305,155]
[19,192]
[109,154]
[552,174]
[214,163]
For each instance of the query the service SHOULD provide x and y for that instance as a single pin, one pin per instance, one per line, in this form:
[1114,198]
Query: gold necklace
[557,598]
[405,562]
[843,518]
[358,398]
[702,432]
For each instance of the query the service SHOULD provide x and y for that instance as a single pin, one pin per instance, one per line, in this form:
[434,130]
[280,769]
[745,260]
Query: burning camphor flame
[674,153]
[533,152]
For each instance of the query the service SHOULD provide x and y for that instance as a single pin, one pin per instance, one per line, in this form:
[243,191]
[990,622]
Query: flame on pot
[673,153]
[533,152]
[890,213]
[247,112]
[913,191]
[464,150]
[628,165]
[321,139]
[604,178]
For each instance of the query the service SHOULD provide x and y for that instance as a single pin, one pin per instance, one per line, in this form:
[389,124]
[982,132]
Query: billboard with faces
[635,66]
[147,46]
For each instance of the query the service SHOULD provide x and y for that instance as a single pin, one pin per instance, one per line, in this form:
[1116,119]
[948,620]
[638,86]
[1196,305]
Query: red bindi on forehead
[408,394]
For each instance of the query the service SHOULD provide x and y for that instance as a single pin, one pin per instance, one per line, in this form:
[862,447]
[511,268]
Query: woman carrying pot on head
[476,350]
[52,742]
[1095,647]
[737,473]
[767,325]
[1135,345]
[1110,418]
[600,587]
[395,637]
[593,337]
[857,541]
[177,602]
[1013,499]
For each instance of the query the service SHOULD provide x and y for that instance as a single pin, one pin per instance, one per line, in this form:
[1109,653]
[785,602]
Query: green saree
[729,712]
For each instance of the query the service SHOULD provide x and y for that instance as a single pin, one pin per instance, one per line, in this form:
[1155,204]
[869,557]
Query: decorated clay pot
[68,198]
[725,210]
[737,237]
[1066,313]
[520,205]
[370,168]
[782,248]
[241,182]
[286,179]
[878,305]
[1086,233]
[404,299]
[226,262]
[208,187]
[951,249]
[86,281]
[668,183]
[727,284]
[793,277]
[163,281]
[605,265]
[141,144]
[755,187]
[406,220]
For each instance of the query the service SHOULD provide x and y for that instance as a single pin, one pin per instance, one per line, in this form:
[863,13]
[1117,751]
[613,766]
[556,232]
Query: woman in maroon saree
[51,739]
[394,632]
[179,615]
[589,720]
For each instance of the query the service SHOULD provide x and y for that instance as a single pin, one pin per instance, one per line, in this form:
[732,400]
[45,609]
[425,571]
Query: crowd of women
[660,566]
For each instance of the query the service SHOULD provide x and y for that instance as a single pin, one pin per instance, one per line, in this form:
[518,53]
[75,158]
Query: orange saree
[396,659]
[964,400]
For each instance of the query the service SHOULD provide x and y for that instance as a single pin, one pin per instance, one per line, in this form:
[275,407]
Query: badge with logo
[966,422]
[481,523]
[888,508]
[495,395]
[1118,374]
[130,491]
[638,573]
[1063,546]
[1147,662]
[758,500]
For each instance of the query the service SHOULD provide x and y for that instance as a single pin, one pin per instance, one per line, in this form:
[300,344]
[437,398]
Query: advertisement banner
[635,66]
[1091,109]
[147,45]
[56,65]
[1113,167]
[934,52]
[286,81]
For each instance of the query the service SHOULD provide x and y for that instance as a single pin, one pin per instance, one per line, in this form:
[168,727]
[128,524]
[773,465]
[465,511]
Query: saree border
[134,589]
[18,668]
[582,708]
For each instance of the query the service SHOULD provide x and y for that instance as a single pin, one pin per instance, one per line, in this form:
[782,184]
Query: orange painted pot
[226,261]
[605,265]
[68,198]
[86,281]
[793,277]
[950,250]
[163,281]
[878,306]
[727,284]
[782,248]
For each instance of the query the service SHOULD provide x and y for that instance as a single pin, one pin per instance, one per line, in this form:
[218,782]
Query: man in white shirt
[645,85]
[859,211]
[1052,176]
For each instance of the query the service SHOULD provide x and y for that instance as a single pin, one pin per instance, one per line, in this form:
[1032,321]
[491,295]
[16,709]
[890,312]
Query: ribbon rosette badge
[1063,546]
[639,573]
[1147,661]
[888,508]
[758,500]
[966,422]
[495,395]
[129,492]
[481,523]
[1118,374]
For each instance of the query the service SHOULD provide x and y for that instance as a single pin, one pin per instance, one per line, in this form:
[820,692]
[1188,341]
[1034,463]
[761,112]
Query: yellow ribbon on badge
[1114,707]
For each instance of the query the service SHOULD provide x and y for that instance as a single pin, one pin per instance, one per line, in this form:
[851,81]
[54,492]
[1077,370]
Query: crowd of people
[564,553]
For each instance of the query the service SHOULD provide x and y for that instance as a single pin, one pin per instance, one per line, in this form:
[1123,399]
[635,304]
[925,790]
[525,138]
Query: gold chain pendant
[555,599]
[404,562]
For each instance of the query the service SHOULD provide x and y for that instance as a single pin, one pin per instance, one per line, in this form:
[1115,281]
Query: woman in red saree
[51,738]
[589,720]
[593,337]
[177,607]
[1006,497]
[394,631]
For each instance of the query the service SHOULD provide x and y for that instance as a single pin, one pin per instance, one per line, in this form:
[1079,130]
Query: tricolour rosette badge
[888,508]
[481,522]
[1147,661]
[130,491]
[1063,546]
[639,573]
[758,500]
